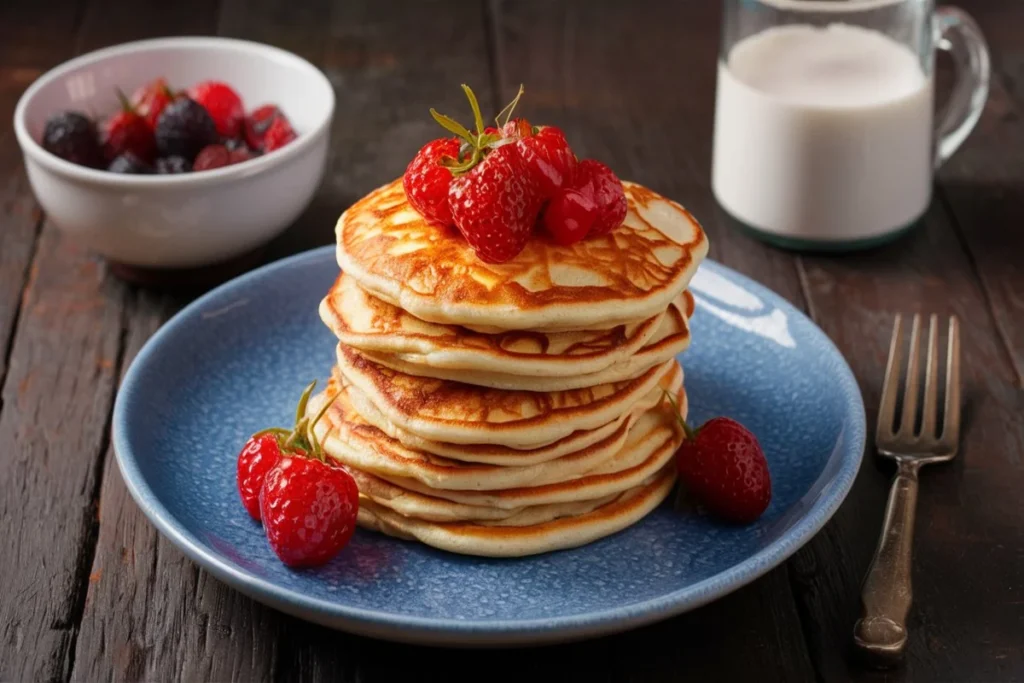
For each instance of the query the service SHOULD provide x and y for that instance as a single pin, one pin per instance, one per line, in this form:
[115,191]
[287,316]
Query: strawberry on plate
[223,104]
[308,507]
[722,465]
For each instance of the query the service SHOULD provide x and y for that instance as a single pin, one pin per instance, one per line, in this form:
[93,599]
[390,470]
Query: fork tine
[890,385]
[913,381]
[931,381]
[951,421]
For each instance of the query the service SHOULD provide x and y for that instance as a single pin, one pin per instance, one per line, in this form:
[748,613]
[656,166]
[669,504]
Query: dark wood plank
[964,560]
[150,611]
[33,37]
[980,184]
[647,112]
[57,400]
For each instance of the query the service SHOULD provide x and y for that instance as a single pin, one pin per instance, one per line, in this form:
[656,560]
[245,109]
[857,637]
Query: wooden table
[89,591]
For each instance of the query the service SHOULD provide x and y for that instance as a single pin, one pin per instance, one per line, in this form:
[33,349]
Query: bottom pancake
[502,540]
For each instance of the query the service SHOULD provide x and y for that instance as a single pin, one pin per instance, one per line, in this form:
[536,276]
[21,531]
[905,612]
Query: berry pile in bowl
[176,153]
[166,131]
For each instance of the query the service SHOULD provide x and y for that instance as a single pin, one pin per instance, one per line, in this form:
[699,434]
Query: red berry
[569,216]
[261,452]
[724,468]
[128,133]
[495,205]
[309,510]
[223,104]
[211,157]
[258,122]
[278,135]
[149,101]
[549,158]
[426,181]
[602,185]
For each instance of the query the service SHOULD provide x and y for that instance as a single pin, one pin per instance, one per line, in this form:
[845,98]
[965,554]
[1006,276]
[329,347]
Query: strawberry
[260,453]
[493,197]
[549,159]
[211,157]
[600,183]
[257,123]
[309,510]
[722,465]
[569,216]
[279,134]
[426,181]
[495,205]
[128,133]
[223,104]
[149,100]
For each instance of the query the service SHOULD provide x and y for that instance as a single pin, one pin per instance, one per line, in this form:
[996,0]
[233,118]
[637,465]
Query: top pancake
[627,276]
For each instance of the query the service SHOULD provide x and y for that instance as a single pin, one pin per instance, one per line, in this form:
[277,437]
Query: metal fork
[882,631]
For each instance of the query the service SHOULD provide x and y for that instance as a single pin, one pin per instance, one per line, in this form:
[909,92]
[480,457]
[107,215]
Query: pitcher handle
[958,34]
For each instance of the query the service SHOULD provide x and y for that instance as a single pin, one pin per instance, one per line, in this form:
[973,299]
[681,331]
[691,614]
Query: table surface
[91,592]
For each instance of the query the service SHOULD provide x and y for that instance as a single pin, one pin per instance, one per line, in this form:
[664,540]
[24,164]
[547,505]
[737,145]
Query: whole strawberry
[279,134]
[308,507]
[126,132]
[722,465]
[149,100]
[426,181]
[549,158]
[257,123]
[261,452]
[600,183]
[223,104]
[495,205]
[493,196]
[309,510]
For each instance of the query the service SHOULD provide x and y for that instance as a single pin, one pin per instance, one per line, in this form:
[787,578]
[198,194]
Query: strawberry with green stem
[723,466]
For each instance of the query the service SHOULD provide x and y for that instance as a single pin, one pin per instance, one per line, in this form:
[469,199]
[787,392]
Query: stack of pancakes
[511,409]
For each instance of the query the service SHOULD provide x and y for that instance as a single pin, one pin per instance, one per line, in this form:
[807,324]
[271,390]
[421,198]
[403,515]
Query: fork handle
[881,632]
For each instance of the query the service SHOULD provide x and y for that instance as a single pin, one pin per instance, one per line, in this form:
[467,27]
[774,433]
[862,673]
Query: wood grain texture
[57,400]
[151,614]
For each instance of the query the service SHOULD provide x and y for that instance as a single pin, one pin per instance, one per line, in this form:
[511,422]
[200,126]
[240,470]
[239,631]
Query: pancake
[493,540]
[442,410]
[496,454]
[349,439]
[642,456]
[627,276]
[372,325]
[420,506]
[671,339]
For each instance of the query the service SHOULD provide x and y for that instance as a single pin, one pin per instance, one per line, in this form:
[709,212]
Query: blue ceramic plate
[235,361]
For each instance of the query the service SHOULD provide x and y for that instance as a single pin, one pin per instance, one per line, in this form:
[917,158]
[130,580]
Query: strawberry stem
[690,432]
[509,108]
[126,104]
[478,118]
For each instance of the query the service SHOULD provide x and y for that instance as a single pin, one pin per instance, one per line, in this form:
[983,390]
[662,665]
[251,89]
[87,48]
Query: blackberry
[172,165]
[184,128]
[129,163]
[72,136]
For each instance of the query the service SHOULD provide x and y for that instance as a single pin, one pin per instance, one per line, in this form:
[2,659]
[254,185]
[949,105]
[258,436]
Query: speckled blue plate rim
[397,626]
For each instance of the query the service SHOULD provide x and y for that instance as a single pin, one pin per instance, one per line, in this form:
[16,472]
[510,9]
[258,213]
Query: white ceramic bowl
[177,221]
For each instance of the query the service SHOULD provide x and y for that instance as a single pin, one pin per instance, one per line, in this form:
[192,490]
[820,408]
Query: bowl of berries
[176,153]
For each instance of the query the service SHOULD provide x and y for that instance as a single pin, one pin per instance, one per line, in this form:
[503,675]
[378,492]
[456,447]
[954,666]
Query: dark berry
[172,165]
[184,128]
[129,163]
[72,136]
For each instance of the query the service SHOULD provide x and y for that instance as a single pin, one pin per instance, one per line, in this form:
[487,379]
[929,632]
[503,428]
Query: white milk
[823,133]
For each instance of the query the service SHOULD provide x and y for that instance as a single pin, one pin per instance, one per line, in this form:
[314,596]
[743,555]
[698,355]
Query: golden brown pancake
[629,275]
